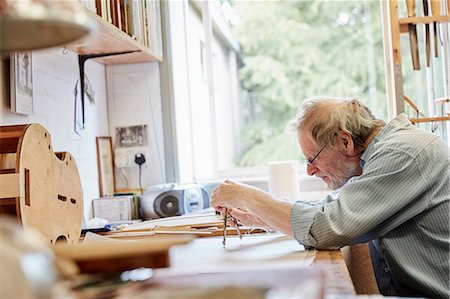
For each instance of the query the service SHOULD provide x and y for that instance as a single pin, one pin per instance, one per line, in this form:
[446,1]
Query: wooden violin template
[39,187]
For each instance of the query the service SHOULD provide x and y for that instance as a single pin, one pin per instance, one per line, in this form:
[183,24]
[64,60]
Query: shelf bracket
[81,60]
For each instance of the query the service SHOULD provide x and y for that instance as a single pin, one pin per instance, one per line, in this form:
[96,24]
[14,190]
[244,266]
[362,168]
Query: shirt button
[386,269]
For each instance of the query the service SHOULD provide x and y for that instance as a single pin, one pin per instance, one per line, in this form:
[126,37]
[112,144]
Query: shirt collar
[400,121]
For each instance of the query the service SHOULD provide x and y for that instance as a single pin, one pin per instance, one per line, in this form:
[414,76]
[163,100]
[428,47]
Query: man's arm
[272,211]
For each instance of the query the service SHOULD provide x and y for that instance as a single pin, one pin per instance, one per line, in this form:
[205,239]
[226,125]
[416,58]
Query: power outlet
[124,157]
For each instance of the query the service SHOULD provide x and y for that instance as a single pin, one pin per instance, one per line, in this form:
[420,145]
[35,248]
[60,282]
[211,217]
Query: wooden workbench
[338,280]
[244,268]
[208,255]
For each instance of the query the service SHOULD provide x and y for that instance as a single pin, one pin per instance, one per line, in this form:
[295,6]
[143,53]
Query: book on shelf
[122,16]
[155,26]
[140,19]
[98,7]
[129,17]
[144,23]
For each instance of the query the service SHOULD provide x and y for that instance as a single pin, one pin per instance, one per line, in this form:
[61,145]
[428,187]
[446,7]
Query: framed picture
[21,83]
[105,158]
[131,136]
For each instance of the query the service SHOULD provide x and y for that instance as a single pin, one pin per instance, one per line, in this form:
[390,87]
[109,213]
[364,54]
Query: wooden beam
[429,119]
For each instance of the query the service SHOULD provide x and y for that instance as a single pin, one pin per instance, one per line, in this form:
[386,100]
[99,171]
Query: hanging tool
[427,32]
[411,7]
[435,11]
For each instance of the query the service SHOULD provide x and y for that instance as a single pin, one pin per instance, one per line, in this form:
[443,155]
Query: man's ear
[346,144]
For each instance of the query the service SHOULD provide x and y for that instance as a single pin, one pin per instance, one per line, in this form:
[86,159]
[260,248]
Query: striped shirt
[400,204]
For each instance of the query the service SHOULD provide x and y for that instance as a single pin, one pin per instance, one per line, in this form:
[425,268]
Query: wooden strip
[429,119]
[9,185]
[411,103]
[442,100]
[17,129]
[8,202]
[119,264]
[396,72]
[10,170]
[424,20]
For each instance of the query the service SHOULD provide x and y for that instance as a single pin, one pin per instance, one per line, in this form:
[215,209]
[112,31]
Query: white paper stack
[115,208]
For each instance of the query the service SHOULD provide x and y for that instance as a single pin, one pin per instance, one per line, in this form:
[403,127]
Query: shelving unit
[108,38]
[398,26]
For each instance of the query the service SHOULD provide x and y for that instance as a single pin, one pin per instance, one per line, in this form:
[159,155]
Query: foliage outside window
[293,50]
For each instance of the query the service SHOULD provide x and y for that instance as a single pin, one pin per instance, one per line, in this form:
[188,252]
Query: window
[258,72]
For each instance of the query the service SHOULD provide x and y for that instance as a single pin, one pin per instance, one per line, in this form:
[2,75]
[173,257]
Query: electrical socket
[125,157]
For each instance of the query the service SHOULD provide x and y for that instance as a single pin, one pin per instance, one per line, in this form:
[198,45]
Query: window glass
[292,50]
[289,51]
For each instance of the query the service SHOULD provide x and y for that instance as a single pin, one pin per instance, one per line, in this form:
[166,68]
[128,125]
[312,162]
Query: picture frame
[131,136]
[105,158]
[21,83]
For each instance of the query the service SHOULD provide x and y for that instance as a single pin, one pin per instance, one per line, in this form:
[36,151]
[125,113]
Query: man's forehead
[306,143]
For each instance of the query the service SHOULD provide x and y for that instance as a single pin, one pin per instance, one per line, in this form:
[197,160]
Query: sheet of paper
[208,255]
[184,220]
[96,238]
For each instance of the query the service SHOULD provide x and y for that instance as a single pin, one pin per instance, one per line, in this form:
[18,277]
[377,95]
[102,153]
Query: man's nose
[311,169]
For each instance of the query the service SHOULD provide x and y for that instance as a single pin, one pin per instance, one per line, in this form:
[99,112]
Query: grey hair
[323,118]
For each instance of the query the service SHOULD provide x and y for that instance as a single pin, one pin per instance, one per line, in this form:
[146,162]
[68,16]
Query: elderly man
[393,190]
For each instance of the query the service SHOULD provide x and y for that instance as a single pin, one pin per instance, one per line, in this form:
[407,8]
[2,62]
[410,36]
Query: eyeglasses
[310,162]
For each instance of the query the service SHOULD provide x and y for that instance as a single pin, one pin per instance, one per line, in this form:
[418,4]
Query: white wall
[131,97]
[134,99]
[54,78]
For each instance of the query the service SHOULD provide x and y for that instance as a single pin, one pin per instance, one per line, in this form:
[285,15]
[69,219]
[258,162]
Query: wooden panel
[10,207]
[9,185]
[155,260]
[45,177]
[8,163]
[119,256]
[10,138]
[359,263]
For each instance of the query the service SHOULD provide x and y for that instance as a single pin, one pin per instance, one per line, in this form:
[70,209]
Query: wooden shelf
[404,22]
[107,39]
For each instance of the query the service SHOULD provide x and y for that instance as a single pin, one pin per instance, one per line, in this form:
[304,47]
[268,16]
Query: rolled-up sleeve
[302,219]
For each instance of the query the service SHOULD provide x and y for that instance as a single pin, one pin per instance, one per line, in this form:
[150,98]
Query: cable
[140,178]
[139,159]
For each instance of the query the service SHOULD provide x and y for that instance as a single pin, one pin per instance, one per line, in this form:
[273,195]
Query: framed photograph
[105,158]
[21,83]
[131,136]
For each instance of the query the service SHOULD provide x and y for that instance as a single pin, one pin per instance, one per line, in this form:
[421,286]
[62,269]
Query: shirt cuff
[302,218]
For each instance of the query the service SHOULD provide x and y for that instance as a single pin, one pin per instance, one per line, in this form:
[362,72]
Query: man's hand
[252,206]
[231,194]
[245,217]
